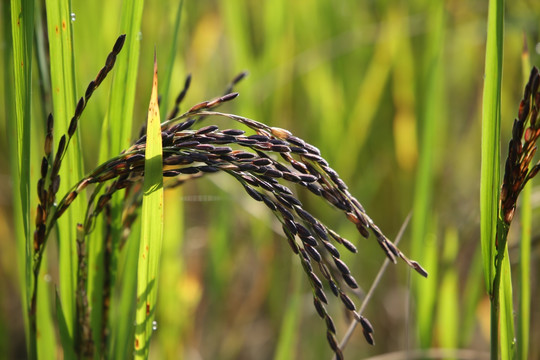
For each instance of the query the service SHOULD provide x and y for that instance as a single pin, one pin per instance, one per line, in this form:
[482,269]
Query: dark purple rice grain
[189,170]
[44,167]
[292,244]
[185,125]
[315,279]
[284,212]
[244,155]
[55,185]
[42,193]
[306,263]
[390,246]
[283,189]
[349,245]
[290,225]
[245,141]
[259,138]
[362,230]
[222,150]
[269,203]
[186,144]
[72,126]
[248,167]
[305,215]
[369,338]
[308,178]
[312,149]
[291,177]
[233,132]
[366,325]
[253,193]
[302,231]
[419,269]
[205,147]
[320,230]
[333,287]
[206,129]
[309,240]
[347,301]
[313,253]
[319,307]
[297,141]
[273,173]
[208,169]
[332,341]
[350,280]
[195,156]
[265,185]
[270,180]
[330,324]
[134,158]
[314,189]
[297,150]
[331,249]
[280,148]
[319,293]
[262,161]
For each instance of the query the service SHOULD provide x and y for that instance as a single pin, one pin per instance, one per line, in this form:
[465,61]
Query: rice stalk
[524,307]
[22,28]
[265,162]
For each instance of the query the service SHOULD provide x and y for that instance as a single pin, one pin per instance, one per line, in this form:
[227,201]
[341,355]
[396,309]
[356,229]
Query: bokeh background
[364,81]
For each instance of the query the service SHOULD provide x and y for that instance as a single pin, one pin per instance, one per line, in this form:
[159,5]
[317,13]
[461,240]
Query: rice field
[300,141]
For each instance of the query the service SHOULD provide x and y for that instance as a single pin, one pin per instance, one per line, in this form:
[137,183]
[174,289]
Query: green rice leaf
[151,227]
[507,312]
[117,129]
[491,125]
[22,29]
[62,68]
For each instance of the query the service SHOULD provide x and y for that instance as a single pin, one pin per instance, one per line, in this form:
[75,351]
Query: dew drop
[537,48]
[47,277]
[73,17]
[139,36]
[154,325]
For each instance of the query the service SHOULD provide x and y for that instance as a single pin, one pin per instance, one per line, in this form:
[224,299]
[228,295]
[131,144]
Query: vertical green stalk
[120,112]
[524,310]
[490,169]
[116,133]
[22,29]
[151,228]
[63,85]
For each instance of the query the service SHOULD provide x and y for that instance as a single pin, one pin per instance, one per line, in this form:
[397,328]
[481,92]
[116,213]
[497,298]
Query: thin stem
[501,236]
[376,282]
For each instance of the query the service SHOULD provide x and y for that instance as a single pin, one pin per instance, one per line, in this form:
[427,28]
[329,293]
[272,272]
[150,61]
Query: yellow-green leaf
[151,228]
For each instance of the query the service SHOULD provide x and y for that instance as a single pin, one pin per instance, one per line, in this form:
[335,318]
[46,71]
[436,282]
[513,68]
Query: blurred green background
[364,81]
